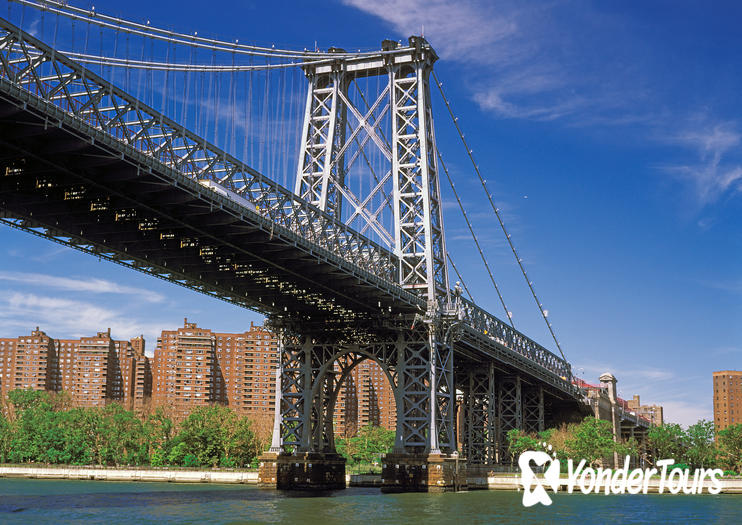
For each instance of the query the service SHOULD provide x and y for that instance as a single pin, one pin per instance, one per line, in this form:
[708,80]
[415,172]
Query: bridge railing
[500,332]
[36,69]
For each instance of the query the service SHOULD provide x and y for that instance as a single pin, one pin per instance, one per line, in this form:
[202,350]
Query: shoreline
[131,474]
[503,481]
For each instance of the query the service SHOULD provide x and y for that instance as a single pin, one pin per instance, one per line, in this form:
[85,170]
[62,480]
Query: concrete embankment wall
[498,482]
[123,474]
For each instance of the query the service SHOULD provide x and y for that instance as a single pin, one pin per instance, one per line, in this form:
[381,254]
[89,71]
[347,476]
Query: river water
[52,501]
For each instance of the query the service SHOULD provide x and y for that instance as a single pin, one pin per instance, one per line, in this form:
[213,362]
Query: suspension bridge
[108,133]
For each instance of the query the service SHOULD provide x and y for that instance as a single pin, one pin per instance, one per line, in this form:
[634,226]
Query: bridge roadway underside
[71,187]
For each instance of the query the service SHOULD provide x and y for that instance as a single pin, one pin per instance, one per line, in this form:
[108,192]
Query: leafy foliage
[666,441]
[519,442]
[592,440]
[730,445]
[367,446]
[699,445]
[41,428]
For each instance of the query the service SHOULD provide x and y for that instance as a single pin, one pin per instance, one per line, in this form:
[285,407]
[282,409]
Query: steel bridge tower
[415,351]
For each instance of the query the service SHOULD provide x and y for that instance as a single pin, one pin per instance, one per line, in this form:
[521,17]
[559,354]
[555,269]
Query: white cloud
[97,286]
[66,318]
[710,175]
[522,62]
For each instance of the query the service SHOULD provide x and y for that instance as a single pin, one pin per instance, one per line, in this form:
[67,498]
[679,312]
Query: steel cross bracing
[332,124]
[510,411]
[479,432]
[313,368]
[533,408]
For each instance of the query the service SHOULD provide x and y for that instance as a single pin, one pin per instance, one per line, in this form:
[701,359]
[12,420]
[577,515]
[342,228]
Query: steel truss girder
[46,80]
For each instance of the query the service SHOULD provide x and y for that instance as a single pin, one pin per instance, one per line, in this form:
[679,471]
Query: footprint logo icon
[534,491]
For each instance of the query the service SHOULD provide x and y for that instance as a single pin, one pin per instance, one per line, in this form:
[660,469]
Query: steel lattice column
[418,221]
[479,432]
[294,359]
[510,412]
[320,172]
[442,393]
[413,411]
[533,408]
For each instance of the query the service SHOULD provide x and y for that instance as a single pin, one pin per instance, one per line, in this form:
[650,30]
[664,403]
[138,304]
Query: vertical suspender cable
[470,152]
[476,241]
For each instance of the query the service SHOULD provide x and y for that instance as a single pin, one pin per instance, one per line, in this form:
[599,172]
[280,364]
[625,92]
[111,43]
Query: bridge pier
[492,405]
[480,422]
[302,471]
[423,473]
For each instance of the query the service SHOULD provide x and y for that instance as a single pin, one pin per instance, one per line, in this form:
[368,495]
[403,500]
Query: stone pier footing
[423,473]
[301,471]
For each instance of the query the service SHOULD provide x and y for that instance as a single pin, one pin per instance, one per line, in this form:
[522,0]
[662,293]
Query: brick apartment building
[28,362]
[727,398]
[92,370]
[195,366]
[365,398]
[651,412]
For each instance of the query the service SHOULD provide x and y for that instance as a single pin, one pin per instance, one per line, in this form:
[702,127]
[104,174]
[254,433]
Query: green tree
[519,442]
[122,440]
[667,441]
[368,445]
[627,448]
[730,445]
[158,429]
[35,436]
[591,440]
[5,437]
[699,442]
[216,435]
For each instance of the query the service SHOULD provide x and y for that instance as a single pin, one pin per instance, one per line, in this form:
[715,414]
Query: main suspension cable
[166,66]
[91,16]
[470,152]
[476,240]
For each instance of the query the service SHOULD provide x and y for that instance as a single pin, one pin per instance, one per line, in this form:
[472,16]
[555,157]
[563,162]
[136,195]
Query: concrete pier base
[423,473]
[304,471]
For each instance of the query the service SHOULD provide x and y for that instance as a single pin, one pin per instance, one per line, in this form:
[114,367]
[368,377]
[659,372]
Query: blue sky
[610,134]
